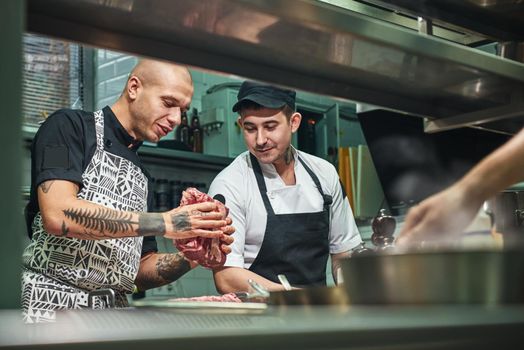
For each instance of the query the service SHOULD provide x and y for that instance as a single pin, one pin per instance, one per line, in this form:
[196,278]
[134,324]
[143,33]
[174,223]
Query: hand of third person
[439,217]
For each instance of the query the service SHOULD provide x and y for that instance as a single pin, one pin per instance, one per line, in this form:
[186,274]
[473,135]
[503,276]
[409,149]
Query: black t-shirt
[63,147]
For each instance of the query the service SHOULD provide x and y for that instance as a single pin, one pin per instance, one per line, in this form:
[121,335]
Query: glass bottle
[176,193]
[183,131]
[196,132]
[162,195]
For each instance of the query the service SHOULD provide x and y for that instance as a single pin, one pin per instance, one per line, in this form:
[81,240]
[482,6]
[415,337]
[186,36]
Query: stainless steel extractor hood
[307,45]
[501,20]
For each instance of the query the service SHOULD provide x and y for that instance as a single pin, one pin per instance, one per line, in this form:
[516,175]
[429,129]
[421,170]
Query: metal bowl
[465,277]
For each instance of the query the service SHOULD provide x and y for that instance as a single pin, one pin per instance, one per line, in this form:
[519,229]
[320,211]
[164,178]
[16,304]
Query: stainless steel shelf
[163,156]
[497,19]
[304,44]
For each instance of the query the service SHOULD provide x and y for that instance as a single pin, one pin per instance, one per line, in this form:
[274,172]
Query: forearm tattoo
[103,220]
[108,221]
[150,224]
[45,186]
[181,222]
[82,235]
[172,266]
[64,230]
[169,268]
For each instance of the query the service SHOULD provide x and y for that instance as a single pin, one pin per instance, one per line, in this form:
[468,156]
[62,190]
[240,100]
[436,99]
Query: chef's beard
[273,156]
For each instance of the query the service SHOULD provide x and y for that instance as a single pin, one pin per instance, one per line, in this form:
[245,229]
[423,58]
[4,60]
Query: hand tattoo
[201,213]
[181,221]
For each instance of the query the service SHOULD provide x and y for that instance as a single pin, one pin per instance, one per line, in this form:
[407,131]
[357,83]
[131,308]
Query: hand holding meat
[197,220]
[207,251]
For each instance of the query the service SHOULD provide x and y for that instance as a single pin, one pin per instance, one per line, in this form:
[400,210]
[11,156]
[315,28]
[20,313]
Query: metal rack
[308,45]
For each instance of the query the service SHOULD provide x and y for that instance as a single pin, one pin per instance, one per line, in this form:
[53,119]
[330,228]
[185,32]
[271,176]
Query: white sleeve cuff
[347,246]
[234,261]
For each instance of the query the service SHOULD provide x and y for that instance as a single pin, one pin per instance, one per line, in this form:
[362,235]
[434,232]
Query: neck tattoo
[288,156]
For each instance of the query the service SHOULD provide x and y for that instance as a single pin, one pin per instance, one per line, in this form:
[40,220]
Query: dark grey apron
[296,245]
[59,272]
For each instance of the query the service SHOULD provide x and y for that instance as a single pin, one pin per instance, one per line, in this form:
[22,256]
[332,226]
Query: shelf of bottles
[186,147]
[164,153]
[190,134]
[168,193]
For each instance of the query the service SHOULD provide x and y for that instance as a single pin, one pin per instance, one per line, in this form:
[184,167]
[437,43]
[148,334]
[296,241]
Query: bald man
[87,215]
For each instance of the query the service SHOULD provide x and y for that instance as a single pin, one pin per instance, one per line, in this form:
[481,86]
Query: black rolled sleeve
[149,245]
[58,149]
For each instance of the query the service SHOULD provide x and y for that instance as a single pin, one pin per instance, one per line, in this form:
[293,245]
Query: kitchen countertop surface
[355,327]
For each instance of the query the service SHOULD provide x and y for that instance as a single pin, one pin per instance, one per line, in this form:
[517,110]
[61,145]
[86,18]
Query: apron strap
[328,200]
[261,184]
[99,128]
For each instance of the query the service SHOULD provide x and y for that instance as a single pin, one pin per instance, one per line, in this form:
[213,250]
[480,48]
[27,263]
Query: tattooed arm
[64,214]
[159,269]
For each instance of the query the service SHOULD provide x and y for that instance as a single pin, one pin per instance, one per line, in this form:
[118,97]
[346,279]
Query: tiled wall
[112,69]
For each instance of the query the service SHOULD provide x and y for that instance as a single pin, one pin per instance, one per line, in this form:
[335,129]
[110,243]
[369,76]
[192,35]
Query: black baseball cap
[268,96]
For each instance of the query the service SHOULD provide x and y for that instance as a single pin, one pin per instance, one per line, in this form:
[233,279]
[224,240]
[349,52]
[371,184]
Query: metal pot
[469,277]
[506,210]
[321,295]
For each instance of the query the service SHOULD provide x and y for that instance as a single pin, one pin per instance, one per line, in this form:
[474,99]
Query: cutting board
[173,303]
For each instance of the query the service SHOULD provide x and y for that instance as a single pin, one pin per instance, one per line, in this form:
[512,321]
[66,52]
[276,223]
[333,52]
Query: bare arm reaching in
[234,279]
[451,210]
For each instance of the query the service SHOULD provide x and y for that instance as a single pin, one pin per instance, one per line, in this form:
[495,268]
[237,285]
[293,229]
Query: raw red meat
[205,251]
[230,297]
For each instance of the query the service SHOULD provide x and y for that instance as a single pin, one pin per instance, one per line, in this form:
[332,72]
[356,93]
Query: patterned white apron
[59,272]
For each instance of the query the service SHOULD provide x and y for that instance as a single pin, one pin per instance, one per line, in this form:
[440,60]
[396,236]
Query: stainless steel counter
[451,327]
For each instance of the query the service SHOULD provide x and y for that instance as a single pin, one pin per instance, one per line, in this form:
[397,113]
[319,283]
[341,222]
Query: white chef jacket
[238,185]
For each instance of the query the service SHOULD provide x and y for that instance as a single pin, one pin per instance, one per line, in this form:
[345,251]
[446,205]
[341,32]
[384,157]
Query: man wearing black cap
[289,209]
